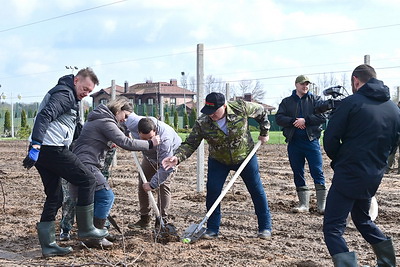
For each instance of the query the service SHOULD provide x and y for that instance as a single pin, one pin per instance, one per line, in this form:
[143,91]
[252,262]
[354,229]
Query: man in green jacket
[225,127]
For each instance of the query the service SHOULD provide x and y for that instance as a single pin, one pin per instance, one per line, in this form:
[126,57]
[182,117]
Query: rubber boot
[99,243]
[84,220]
[143,223]
[47,239]
[320,191]
[385,255]
[304,199]
[345,259]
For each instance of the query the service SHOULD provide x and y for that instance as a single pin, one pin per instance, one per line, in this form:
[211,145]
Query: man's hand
[31,158]
[169,162]
[263,139]
[156,140]
[300,123]
[147,187]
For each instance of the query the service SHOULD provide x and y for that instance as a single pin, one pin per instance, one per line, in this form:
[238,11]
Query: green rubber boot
[47,239]
[84,220]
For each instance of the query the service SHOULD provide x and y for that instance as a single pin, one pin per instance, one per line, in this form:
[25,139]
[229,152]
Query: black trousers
[54,163]
[337,209]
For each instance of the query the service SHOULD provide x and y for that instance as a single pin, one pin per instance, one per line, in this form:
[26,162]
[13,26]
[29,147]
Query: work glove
[31,158]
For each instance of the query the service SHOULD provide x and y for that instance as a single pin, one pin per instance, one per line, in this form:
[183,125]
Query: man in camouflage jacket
[224,126]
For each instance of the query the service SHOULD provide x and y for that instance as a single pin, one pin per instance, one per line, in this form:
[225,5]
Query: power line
[61,16]
[305,36]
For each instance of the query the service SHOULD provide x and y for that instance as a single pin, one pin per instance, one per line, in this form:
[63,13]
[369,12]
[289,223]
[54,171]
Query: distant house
[149,93]
[248,97]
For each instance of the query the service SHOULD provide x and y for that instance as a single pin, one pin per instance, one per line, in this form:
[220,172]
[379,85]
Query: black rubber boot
[84,220]
[47,239]
[143,223]
[99,243]
[345,259]
[385,255]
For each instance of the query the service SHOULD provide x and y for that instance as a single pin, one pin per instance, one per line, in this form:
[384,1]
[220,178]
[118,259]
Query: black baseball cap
[213,102]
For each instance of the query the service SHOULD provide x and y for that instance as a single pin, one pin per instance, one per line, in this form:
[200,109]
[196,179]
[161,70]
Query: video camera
[330,104]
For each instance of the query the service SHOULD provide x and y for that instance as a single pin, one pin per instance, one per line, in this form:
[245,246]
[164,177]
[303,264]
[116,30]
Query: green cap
[302,79]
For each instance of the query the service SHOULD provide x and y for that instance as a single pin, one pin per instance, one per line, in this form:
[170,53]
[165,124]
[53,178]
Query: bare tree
[192,84]
[213,84]
[324,82]
[256,89]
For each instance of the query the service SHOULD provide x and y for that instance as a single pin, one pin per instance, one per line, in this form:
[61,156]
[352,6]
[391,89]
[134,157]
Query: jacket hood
[375,89]
[101,112]
[68,80]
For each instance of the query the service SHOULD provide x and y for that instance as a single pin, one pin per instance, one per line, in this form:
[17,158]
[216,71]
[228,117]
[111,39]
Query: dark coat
[288,111]
[359,138]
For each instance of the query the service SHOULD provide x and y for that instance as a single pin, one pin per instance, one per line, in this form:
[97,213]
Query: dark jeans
[301,149]
[216,176]
[337,209]
[57,162]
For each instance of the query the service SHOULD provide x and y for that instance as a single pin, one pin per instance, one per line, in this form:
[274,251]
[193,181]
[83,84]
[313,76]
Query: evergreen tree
[166,119]
[86,114]
[7,121]
[176,119]
[23,119]
[193,117]
[185,120]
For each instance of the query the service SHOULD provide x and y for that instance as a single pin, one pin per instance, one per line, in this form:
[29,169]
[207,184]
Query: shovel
[195,231]
[167,231]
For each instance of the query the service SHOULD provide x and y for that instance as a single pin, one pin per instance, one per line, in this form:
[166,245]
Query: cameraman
[361,133]
[302,129]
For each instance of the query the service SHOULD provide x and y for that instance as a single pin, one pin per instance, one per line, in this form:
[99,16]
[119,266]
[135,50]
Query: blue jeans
[337,209]
[301,149]
[216,176]
[103,201]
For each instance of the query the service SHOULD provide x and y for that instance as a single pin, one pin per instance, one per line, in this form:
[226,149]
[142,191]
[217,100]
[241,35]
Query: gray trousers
[163,192]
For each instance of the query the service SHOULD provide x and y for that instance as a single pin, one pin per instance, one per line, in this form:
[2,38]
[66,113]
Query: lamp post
[4,96]
[184,85]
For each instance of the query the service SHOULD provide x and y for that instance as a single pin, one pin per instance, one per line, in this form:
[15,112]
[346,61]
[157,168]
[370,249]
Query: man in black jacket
[52,134]
[302,129]
[361,133]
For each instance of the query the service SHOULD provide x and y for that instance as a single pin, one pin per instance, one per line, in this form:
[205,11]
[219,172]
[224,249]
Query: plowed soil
[297,238]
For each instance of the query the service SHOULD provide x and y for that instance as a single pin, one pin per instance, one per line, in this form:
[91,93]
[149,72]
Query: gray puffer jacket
[101,128]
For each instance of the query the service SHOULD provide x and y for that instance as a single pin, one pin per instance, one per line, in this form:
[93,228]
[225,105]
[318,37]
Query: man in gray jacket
[159,178]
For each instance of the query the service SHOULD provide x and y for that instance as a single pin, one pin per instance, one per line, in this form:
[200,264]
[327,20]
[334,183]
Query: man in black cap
[225,127]
[302,130]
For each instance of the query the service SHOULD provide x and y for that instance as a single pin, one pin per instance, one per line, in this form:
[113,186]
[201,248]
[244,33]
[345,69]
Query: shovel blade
[193,233]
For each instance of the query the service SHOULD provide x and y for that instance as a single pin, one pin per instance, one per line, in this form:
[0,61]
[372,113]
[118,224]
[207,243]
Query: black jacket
[359,138]
[288,111]
[58,114]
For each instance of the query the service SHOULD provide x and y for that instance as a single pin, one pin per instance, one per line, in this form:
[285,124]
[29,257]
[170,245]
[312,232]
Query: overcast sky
[272,41]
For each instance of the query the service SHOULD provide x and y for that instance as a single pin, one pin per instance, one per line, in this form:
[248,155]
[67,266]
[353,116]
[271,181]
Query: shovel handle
[229,185]
[144,180]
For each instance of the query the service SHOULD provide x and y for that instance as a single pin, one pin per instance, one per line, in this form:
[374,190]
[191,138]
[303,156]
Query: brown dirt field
[297,238]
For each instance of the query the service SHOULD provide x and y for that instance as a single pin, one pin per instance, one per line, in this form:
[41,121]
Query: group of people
[361,133]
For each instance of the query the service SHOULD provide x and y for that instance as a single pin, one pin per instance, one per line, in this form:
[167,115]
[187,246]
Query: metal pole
[367,59]
[200,104]
[12,117]
[227,91]
[113,95]
[161,108]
